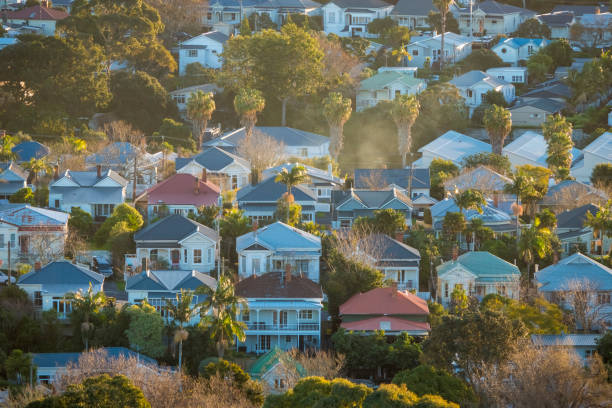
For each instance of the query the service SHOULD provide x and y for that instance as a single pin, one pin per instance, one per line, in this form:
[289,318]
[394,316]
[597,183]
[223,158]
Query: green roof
[267,361]
[382,79]
[481,264]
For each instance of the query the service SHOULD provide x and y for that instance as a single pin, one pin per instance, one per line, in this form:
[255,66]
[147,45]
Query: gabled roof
[271,191]
[213,159]
[37,12]
[579,10]
[370,199]
[173,228]
[381,80]
[386,302]
[288,136]
[183,189]
[14,168]
[115,153]
[569,340]
[574,219]
[25,214]
[518,42]
[30,149]
[62,276]
[532,146]
[484,177]
[493,7]
[568,191]
[60,360]
[213,35]
[414,8]
[553,89]
[455,146]
[279,236]
[576,267]
[90,178]
[300,4]
[361,3]
[268,361]
[546,104]
[312,172]
[472,78]
[272,286]
[398,177]
[481,264]
[383,247]
[602,146]
[172,281]
[489,214]
[557,18]
[394,324]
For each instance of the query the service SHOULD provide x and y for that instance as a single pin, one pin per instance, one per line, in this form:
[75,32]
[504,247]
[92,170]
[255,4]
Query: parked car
[102,265]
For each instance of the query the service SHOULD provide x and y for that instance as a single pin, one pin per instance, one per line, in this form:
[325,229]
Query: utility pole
[9,262]
[471,20]
[220,215]
[135,177]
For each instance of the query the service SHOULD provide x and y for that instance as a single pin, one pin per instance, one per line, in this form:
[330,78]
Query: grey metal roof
[399,177]
[61,272]
[545,104]
[493,7]
[270,191]
[92,195]
[557,18]
[571,340]
[576,267]
[217,36]
[313,172]
[371,199]
[280,237]
[213,159]
[574,219]
[300,4]
[90,178]
[574,234]
[569,190]
[60,360]
[489,214]
[286,135]
[173,228]
[554,89]
[579,10]
[360,3]
[414,8]
[383,247]
[473,77]
[172,281]
[14,168]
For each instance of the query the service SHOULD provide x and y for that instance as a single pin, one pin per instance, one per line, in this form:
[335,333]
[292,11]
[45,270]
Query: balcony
[295,327]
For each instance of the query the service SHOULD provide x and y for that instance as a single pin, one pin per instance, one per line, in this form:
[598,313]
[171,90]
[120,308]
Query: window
[305,314]
[446,290]
[517,78]
[178,211]
[62,306]
[209,16]
[415,52]
[302,267]
[530,49]
[469,93]
[209,255]
[603,298]
[283,318]
[234,182]
[264,343]
[306,217]
[589,353]
[255,264]
[287,339]
[331,17]
[1,240]
[193,53]
[13,239]
[243,263]
[504,50]
[38,299]
[233,16]
[324,192]
[278,265]
[246,316]
[397,93]
[179,99]
[303,152]
[493,21]
[185,255]
[345,223]
[483,98]
[153,255]
[57,203]
[197,256]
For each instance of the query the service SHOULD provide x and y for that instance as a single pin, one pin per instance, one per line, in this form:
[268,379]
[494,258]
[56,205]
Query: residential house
[270,369]
[498,220]
[259,201]
[569,194]
[479,273]
[491,18]
[33,234]
[559,23]
[456,48]
[157,286]
[297,143]
[178,243]
[395,178]
[37,19]
[474,85]
[181,194]
[584,345]
[320,181]
[95,192]
[597,31]
[578,272]
[533,112]
[49,285]
[6,41]
[453,146]
[554,89]
[413,13]
[513,75]
[577,65]
[284,311]
[350,18]
[389,309]
[30,149]
[597,152]
[204,49]
[49,366]
[224,169]
[354,203]
[14,179]
[531,148]
[575,236]
[580,10]
[515,49]
[279,247]
[398,261]
[486,180]
[386,85]
[181,96]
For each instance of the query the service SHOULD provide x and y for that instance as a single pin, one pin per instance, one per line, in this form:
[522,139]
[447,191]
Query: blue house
[349,205]
[14,178]
[30,149]
[225,169]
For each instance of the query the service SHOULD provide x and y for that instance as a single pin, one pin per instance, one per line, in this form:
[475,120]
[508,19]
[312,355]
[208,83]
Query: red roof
[180,189]
[37,13]
[395,324]
[384,301]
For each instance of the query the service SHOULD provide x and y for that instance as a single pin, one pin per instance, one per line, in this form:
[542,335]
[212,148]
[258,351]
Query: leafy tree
[557,132]
[146,329]
[441,170]
[481,60]
[245,27]
[391,395]
[604,349]
[380,26]
[19,367]
[84,305]
[534,242]
[434,20]
[498,123]
[317,391]
[426,379]
[225,305]
[444,7]
[182,310]
[23,195]
[459,301]
[601,223]
[495,98]
[81,222]
[538,66]
[602,175]
[539,316]
[179,134]
[248,103]
[232,372]
[404,111]
[6,149]
[37,167]
[532,28]
[288,212]
[470,200]
[386,221]
[497,162]
[561,52]
[122,212]
[520,186]
[200,107]
[41,196]
[121,242]
[297,175]
[337,110]
[548,219]
[206,215]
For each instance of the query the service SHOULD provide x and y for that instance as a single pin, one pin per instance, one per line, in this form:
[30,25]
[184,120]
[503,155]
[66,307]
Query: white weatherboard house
[37,19]
[514,75]
[49,285]
[388,84]
[474,85]
[513,50]
[583,344]
[347,206]
[456,48]
[559,23]
[531,148]
[413,13]
[479,273]
[228,171]
[181,96]
[13,177]
[95,192]
[350,18]
[284,311]
[491,18]
[279,248]
[204,49]
[597,152]
[453,146]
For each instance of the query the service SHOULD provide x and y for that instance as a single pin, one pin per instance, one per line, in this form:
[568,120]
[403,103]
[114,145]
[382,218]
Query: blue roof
[30,150]
[482,264]
[517,42]
[169,281]
[280,236]
[115,153]
[269,191]
[383,247]
[489,214]
[576,267]
[61,360]
[399,177]
[213,159]
[60,277]
[173,228]
[288,136]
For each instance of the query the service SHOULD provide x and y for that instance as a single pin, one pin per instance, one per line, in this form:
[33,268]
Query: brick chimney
[56,172]
[196,185]
[287,273]
[204,175]
[99,169]
[399,236]
[37,266]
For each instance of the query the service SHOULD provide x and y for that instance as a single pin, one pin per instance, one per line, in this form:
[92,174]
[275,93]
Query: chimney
[196,185]
[37,266]
[99,169]
[204,175]
[394,287]
[399,236]
[455,252]
[330,169]
[287,273]
[496,200]
[56,172]
[536,268]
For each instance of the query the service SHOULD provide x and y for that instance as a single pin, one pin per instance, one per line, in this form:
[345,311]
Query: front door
[24,244]
[175,256]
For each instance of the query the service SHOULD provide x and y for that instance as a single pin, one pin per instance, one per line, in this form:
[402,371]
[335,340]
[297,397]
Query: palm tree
[75,145]
[182,311]
[296,176]
[200,107]
[520,186]
[469,200]
[233,224]
[498,122]
[224,306]
[404,112]
[601,223]
[86,304]
[37,166]
[534,242]
[444,7]
[337,110]
[248,103]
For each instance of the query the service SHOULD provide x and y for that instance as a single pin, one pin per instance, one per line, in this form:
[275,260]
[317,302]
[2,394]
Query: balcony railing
[262,326]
